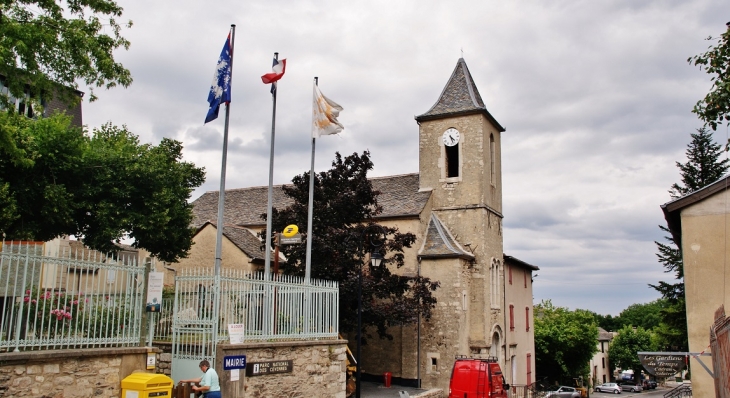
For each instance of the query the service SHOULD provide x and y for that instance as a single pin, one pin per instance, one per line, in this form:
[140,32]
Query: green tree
[46,47]
[703,167]
[99,187]
[50,45]
[647,315]
[714,108]
[565,342]
[624,347]
[345,204]
[607,322]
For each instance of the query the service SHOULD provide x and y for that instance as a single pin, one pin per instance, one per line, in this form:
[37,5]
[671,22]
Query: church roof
[459,97]
[439,243]
[244,239]
[399,197]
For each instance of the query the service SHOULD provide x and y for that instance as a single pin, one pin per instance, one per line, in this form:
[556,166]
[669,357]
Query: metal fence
[282,308]
[259,309]
[68,298]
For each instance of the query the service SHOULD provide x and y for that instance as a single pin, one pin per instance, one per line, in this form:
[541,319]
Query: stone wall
[318,369]
[69,373]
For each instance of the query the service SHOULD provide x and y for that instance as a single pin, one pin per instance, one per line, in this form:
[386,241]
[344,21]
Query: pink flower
[75,302]
[27,291]
[33,301]
[26,299]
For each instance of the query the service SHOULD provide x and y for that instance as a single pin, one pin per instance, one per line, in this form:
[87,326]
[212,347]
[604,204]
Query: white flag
[324,115]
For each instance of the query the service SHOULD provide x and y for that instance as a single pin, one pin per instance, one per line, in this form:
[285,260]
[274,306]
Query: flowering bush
[49,314]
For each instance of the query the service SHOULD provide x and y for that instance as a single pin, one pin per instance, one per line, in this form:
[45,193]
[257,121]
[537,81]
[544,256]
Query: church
[454,207]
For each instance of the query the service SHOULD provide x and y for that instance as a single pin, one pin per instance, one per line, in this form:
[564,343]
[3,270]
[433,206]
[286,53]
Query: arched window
[495,275]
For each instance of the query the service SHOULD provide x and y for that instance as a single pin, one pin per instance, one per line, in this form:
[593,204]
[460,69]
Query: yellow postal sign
[290,231]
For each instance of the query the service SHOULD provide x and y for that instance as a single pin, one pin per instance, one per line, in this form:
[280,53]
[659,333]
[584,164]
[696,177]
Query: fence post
[144,326]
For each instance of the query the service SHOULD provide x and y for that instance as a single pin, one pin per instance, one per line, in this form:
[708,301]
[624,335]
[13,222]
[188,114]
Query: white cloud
[595,96]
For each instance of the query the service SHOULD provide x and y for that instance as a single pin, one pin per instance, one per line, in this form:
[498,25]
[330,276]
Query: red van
[477,378]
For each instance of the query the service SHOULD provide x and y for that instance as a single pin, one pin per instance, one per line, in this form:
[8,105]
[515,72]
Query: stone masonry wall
[318,371]
[69,373]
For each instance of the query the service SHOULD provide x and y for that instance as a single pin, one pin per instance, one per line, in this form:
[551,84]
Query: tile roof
[439,243]
[603,335]
[520,263]
[459,97]
[399,197]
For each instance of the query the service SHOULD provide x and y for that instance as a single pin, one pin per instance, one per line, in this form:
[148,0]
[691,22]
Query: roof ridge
[460,96]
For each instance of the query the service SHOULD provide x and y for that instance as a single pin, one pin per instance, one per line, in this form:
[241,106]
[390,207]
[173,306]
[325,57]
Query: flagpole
[221,203]
[310,236]
[267,263]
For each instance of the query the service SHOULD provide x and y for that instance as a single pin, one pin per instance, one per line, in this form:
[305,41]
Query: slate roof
[439,243]
[244,239]
[399,197]
[459,97]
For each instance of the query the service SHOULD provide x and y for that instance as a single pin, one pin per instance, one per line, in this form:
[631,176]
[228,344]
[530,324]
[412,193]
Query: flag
[324,115]
[278,69]
[220,88]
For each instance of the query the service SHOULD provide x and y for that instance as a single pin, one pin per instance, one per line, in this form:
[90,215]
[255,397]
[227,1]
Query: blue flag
[220,88]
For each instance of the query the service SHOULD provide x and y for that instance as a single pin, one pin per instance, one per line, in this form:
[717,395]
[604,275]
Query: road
[657,392]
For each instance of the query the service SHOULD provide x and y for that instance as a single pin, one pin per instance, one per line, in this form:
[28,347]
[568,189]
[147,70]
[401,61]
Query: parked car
[652,384]
[630,386]
[562,392]
[648,384]
[609,387]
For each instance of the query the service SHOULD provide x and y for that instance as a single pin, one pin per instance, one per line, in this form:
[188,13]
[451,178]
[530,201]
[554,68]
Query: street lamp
[375,260]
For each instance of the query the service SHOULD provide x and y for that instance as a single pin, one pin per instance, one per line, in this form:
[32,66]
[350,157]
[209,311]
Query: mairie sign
[234,362]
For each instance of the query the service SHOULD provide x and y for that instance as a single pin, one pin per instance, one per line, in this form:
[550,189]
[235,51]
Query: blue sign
[234,362]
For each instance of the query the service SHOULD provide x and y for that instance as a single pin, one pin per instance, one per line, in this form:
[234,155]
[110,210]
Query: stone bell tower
[460,163]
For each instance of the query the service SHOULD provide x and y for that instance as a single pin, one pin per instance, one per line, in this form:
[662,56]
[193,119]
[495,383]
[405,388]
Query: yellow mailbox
[144,385]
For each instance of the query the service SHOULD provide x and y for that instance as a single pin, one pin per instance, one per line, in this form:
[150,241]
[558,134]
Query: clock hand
[452,139]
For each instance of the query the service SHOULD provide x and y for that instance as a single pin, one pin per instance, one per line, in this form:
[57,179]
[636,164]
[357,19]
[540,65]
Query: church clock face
[451,137]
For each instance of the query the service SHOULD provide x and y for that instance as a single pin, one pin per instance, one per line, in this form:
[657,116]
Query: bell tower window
[492,155]
[452,161]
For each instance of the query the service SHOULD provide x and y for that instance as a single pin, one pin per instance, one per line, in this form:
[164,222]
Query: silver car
[562,392]
[631,387]
[609,387]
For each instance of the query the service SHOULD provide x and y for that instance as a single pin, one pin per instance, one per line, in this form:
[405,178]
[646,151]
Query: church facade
[454,207]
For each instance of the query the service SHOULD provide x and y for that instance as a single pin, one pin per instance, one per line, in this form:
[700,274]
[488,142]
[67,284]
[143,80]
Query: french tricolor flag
[277,72]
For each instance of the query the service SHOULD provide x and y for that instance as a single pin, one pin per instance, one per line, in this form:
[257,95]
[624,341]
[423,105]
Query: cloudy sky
[595,96]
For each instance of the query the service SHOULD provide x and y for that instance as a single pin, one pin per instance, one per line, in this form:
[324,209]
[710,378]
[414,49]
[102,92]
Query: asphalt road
[657,392]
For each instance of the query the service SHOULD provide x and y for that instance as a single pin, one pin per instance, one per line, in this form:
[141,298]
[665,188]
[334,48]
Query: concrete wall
[69,373]
[319,369]
[705,251]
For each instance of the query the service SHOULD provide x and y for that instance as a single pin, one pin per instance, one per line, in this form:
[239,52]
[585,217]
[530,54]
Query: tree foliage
[100,187]
[703,167]
[647,315]
[50,45]
[624,347]
[344,231]
[714,108]
[565,342]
